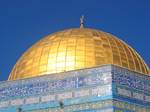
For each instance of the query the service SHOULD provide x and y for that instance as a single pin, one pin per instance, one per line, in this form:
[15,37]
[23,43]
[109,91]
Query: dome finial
[82,21]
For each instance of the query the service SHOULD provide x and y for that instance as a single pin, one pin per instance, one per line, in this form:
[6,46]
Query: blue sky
[23,22]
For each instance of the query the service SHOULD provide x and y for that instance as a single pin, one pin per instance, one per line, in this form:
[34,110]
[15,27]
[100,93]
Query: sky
[24,22]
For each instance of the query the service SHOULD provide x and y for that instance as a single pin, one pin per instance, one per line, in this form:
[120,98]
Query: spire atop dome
[82,21]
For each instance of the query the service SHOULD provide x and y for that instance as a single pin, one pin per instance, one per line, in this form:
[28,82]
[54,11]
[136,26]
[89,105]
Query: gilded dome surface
[74,49]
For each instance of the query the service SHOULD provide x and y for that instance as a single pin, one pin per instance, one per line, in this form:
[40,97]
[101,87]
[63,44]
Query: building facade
[78,70]
[101,89]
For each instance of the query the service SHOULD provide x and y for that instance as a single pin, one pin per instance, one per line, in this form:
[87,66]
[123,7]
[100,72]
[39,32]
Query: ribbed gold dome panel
[74,49]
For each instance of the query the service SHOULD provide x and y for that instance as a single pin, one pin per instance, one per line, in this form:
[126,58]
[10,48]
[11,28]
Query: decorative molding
[32,100]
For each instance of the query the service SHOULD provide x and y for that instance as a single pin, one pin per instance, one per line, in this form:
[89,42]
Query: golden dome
[74,49]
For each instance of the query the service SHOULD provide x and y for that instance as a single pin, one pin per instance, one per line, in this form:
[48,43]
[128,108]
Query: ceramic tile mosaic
[101,89]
